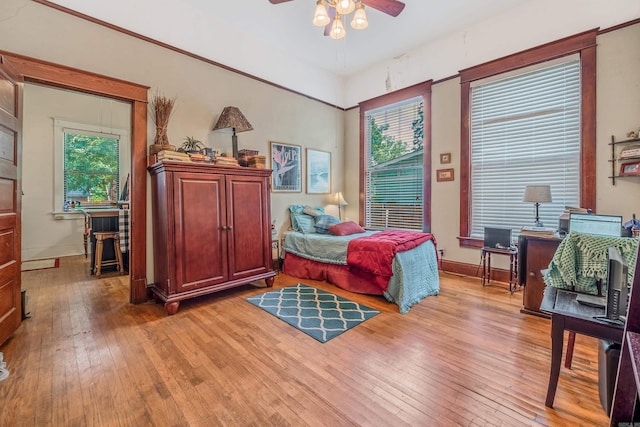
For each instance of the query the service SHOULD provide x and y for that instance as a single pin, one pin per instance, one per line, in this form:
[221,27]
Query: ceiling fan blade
[278,1]
[332,13]
[390,7]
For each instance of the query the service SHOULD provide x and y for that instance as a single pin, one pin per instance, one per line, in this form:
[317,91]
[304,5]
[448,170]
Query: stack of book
[197,157]
[257,162]
[538,231]
[173,156]
[244,156]
[226,161]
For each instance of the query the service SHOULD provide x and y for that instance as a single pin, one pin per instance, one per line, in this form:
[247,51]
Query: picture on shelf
[630,152]
[630,169]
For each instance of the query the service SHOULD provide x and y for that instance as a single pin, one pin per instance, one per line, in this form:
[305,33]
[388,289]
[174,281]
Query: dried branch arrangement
[163,107]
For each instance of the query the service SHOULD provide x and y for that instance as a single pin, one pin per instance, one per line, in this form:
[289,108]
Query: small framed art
[287,167]
[318,172]
[444,175]
[445,158]
[630,169]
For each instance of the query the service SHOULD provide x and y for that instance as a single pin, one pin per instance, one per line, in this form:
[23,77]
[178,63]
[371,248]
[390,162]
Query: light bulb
[320,17]
[345,6]
[359,21]
[337,29]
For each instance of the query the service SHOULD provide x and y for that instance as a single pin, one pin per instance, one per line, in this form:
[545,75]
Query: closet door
[10,199]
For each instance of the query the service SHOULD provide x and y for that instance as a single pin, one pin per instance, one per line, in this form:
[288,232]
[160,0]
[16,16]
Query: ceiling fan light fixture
[320,17]
[337,30]
[344,7]
[359,21]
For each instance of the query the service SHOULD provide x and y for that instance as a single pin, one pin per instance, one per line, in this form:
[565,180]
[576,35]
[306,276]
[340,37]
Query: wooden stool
[101,236]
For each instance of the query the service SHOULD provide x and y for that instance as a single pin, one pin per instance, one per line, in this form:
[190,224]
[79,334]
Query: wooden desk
[535,254]
[567,314]
[513,265]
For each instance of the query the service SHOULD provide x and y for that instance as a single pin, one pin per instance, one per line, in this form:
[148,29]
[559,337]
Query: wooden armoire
[211,229]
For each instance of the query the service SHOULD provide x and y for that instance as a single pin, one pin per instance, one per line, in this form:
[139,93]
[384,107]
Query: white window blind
[393,169]
[525,130]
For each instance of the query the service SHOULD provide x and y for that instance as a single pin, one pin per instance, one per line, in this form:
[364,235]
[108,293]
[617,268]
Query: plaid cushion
[324,222]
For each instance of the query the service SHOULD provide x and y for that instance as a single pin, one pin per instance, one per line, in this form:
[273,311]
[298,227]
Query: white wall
[522,27]
[42,235]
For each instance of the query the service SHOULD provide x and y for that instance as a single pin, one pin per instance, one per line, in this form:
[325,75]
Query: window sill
[62,215]
[470,242]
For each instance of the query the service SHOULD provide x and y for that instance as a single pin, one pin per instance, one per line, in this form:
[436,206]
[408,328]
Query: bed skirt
[342,276]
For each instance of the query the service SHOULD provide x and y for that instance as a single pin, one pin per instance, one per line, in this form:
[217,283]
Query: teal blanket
[581,260]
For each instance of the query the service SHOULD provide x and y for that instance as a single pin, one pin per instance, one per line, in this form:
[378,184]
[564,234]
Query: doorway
[37,71]
[74,146]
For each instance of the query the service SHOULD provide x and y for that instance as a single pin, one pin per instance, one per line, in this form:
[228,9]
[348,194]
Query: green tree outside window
[91,168]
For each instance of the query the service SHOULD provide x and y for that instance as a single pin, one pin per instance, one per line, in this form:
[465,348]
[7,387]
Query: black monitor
[617,286]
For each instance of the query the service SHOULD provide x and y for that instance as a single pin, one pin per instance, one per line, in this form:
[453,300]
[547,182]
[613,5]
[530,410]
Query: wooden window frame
[583,44]
[420,89]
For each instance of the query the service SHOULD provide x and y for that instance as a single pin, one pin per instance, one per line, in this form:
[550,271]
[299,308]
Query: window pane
[91,168]
[525,130]
[393,176]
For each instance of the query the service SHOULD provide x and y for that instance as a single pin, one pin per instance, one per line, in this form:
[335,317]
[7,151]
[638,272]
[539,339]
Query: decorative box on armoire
[211,229]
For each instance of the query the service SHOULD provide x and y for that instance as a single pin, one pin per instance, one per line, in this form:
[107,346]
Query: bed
[404,277]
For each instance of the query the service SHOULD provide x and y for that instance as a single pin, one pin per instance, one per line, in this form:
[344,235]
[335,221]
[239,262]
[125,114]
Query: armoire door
[200,230]
[10,199]
[250,228]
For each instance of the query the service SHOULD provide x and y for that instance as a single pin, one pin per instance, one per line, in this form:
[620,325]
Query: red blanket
[375,253]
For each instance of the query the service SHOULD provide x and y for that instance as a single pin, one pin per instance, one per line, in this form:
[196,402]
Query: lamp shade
[231,117]
[537,194]
[337,199]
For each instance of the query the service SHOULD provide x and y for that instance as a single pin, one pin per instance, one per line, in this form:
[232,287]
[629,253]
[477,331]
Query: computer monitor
[617,286]
[600,225]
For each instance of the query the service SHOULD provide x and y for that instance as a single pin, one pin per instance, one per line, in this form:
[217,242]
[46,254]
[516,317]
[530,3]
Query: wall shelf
[617,161]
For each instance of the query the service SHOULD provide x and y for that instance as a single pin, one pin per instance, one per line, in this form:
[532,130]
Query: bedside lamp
[537,194]
[231,117]
[337,199]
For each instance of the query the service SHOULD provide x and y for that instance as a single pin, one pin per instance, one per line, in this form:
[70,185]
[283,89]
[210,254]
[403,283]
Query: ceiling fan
[330,18]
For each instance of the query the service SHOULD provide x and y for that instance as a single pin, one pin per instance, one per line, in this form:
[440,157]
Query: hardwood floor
[465,357]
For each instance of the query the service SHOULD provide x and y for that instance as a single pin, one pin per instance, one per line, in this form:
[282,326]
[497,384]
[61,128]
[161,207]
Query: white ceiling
[287,27]
[279,44]
[257,28]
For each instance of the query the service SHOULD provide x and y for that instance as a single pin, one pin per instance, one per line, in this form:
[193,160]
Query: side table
[513,265]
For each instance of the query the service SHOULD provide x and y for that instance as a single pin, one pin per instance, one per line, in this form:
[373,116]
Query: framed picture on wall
[287,167]
[444,175]
[318,172]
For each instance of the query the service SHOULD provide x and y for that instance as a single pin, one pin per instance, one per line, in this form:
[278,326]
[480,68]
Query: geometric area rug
[40,264]
[319,314]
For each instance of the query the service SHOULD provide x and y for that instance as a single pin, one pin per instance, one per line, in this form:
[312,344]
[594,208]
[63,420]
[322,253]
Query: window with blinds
[91,167]
[525,130]
[394,165]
